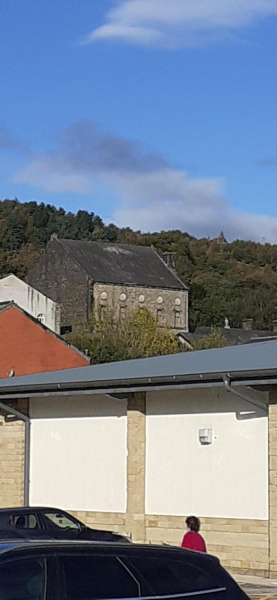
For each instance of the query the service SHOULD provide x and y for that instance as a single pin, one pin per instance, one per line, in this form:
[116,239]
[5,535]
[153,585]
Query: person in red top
[192,539]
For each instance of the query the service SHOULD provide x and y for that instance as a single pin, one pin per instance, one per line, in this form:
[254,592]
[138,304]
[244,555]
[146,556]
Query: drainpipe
[21,417]
[231,390]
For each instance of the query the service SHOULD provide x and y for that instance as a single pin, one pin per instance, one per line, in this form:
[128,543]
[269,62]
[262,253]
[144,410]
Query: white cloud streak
[152,193]
[179,23]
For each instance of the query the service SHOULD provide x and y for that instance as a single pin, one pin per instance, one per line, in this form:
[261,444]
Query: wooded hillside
[237,280]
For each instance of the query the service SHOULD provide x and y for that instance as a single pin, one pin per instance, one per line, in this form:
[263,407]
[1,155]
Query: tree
[137,337]
[214,340]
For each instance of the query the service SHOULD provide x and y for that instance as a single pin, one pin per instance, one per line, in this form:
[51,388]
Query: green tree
[137,337]
[214,340]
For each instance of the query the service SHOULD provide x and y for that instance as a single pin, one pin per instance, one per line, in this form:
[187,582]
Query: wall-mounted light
[205,436]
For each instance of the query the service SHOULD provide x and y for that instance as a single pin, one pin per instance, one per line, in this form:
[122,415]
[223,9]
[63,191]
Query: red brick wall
[27,347]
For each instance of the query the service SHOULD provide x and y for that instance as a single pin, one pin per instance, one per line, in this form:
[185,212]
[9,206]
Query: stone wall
[273,483]
[121,301]
[57,276]
[12,459]
[241,545]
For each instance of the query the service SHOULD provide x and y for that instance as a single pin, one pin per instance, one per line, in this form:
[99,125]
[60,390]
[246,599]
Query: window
[169,577]
[122,313]
[24,521]
[66,329]
[97,577]
[22,579]
[55,519]
[159,316]
[177,319]
[103,313]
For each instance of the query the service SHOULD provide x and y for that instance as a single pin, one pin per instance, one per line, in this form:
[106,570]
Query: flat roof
[251,364]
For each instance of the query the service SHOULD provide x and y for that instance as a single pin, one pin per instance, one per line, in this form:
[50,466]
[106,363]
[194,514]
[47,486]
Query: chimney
[54,236]
[274,325]
[247,324]
[169,259]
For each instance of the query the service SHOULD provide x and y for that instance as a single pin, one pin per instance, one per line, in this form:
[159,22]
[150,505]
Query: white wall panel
[228,478]
[78,453]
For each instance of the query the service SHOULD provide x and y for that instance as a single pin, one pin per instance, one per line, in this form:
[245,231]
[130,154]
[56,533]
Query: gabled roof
[5,306]
[122,264]
[254,364]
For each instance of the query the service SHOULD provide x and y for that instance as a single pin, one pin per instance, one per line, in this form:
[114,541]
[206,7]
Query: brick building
[85,277]
[27,346]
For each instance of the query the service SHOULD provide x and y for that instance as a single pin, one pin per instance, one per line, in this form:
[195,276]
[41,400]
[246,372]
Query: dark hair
[193,524]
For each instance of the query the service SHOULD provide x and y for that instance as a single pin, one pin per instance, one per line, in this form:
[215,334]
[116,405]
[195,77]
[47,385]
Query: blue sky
[155,114]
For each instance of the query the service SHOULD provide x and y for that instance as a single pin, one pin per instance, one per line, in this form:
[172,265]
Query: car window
[60,520]
[24,521]
[168,577]
[22,580]
[97,577]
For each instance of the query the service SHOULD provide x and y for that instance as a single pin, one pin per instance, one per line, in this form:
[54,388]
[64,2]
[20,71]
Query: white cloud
[179,23]
[152,194]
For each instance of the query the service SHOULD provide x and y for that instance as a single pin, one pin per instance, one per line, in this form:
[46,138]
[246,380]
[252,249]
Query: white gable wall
[13,289]
[226,479]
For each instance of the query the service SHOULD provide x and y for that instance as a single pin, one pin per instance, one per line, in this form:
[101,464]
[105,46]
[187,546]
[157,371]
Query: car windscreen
[22,580]
[60,520]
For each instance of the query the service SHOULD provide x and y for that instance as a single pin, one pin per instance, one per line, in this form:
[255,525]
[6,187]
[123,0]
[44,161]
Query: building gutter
[57,390]
[249,399]
[26,420]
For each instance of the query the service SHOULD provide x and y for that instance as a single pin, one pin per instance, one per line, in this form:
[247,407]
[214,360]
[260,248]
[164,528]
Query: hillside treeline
[236,280]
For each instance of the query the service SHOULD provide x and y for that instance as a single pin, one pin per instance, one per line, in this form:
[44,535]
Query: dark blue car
[49,523]
[52,570]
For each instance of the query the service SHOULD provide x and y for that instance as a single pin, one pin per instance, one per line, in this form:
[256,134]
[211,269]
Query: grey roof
[122,264]
[233,336]
[250,363]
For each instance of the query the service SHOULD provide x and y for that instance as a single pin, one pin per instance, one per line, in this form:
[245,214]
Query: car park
[49,523]
[64,570]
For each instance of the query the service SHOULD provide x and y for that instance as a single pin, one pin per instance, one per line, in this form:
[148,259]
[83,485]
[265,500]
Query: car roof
[24,509]
[10,548]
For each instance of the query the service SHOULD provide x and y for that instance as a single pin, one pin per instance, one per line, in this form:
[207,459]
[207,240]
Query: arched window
[41,318]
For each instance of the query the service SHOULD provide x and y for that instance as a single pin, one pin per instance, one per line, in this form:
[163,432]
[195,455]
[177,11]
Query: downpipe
[26,420]
[231,390]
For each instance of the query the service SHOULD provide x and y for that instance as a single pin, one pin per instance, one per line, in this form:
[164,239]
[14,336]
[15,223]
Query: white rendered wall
[33,302]
[79,453]
[227,479]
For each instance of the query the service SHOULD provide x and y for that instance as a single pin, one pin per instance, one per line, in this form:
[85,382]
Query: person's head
[193,524]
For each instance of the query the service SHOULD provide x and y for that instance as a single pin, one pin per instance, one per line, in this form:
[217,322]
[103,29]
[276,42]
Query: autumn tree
[136,337]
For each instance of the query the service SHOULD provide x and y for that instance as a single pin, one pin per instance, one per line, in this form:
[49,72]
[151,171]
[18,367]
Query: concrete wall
[126,299]
[226,479]
[79,453]
[31,300]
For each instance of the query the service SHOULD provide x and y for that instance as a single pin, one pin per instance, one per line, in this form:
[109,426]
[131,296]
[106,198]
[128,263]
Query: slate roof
[122,264]
[232,336]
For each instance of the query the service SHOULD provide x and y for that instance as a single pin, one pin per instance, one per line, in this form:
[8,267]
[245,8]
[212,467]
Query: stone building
[85,277]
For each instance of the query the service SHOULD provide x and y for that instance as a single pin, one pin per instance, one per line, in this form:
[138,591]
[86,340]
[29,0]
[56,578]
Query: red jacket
[194,541]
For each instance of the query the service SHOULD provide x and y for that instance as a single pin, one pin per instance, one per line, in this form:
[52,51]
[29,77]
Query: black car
[49,523]
[95,571]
